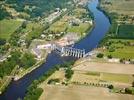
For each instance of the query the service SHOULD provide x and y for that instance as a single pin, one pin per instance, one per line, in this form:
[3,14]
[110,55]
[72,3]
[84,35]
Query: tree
[7,66]
[133,84]
[122,60]
[69,73]
[27,60]
[100,55]
[110,56]
[2,41]
[128,91]
[24,24]
[110,86]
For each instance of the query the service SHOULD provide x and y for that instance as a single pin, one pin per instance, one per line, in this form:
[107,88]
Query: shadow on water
[17,89]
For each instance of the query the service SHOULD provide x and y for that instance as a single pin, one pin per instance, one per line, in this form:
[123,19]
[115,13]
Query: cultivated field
[122,48]
[105,67]
[96,77]
[120,6]
[80,93]
[126,31]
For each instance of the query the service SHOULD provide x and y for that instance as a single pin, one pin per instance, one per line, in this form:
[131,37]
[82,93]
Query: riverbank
[6,81]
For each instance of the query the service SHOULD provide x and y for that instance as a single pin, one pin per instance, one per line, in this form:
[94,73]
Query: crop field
[53,92]
[126,31]
[82,77]
[123,78]
[120,6]
[121,48]
[114,68]
[7,27]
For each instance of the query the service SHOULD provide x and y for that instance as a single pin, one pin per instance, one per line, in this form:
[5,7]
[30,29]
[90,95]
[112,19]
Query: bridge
[68,51]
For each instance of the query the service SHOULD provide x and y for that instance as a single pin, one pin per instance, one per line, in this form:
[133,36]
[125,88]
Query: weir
[68,51]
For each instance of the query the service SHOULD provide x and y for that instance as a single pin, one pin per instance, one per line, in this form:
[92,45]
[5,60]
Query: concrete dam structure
[68,51]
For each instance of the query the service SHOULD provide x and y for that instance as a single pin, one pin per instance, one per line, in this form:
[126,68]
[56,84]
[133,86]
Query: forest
[36,8]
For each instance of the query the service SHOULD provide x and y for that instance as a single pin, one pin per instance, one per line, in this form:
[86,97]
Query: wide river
[17,89]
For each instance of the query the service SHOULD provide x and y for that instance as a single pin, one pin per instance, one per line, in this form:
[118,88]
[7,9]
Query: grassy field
[34,29]
[81,29]
[59,26]
[7,27]
[121,49]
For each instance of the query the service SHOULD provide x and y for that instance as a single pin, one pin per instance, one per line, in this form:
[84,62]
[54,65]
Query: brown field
[91,73]
[105,67]
[118,80]
[80,93]
[80,76]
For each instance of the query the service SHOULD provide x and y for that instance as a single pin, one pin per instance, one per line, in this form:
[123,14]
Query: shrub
[53,81]
[128,91]
[2,41]
[133,84]
[110,56]
[69,73]
[100,55]
[110,86]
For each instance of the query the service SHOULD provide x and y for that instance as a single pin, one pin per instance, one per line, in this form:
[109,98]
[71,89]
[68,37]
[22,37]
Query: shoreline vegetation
[32,91]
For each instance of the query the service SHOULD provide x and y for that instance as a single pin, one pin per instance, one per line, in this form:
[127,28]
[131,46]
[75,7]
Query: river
[17,89]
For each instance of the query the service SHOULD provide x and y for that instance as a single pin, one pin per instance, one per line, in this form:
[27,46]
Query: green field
[124,78]
[127,53]
[126,31]
[122,48]
[7,27]
[34,29]
[59,26]
[81,29]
